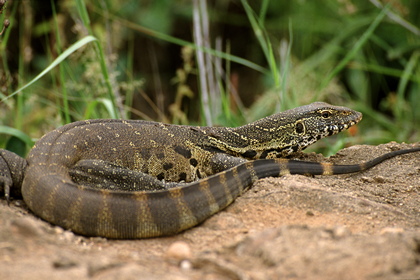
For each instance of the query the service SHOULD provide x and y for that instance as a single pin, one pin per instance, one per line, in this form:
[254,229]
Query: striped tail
[312,168]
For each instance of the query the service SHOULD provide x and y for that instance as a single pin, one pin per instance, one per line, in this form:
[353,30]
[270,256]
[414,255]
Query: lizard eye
[325,114]
[299,128]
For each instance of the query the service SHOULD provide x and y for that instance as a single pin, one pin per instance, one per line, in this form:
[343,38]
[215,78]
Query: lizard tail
[314,168]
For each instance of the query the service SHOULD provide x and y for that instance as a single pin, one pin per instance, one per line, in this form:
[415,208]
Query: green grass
[347,53]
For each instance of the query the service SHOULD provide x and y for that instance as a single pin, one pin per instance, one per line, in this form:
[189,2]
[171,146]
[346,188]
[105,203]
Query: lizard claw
[6,185]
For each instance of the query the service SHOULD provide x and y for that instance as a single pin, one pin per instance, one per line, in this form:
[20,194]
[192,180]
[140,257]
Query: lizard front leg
[106,175]
[12,171]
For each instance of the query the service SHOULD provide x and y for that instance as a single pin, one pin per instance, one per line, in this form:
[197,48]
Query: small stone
[64,263]
[185,265]
[341,231]
[366,179]
[65,235]
[379,179]
[179,251]
[58,230]
[18,203]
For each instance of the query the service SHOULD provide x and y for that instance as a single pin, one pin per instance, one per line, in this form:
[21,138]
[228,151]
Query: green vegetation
[223,63]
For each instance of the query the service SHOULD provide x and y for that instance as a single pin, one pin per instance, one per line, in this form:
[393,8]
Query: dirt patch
[359,226]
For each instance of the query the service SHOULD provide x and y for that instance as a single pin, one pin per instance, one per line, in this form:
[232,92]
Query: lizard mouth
[336,128]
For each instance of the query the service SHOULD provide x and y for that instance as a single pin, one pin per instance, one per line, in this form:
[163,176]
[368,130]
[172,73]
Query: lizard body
[138,179]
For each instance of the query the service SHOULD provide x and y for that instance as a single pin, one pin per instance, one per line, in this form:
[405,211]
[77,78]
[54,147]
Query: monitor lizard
[137,179]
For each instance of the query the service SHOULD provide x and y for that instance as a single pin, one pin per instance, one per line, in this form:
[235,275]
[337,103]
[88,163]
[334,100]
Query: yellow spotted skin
[139,179]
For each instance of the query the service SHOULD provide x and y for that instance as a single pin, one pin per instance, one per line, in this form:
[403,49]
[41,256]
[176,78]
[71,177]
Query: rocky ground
[359,226]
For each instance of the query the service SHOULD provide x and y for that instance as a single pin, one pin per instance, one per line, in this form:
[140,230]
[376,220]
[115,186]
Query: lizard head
[319,120]
[291,131]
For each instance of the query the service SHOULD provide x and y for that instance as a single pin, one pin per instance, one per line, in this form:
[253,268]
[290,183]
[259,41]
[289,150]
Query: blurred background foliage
[218,62]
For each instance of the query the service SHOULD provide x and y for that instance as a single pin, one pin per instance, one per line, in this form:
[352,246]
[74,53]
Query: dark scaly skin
[120,179]
[12,171]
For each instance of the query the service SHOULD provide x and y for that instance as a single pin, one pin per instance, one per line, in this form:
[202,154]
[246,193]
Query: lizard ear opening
[300,128]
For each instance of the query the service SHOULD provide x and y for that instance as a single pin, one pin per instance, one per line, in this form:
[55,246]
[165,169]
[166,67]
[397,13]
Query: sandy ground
[359,226]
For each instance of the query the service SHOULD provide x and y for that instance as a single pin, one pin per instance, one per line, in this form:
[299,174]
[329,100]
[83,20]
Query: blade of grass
[352,53]
[129,72]
[18,120]
[264,41]
[65,113]
[81,7]
[90,110]
[263,11]
[285,52]
[396,18]
[379,69]
[205,70]
[329,49]
[4,40]
[57,61]
[180,42]
[17,133]
[402,86]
